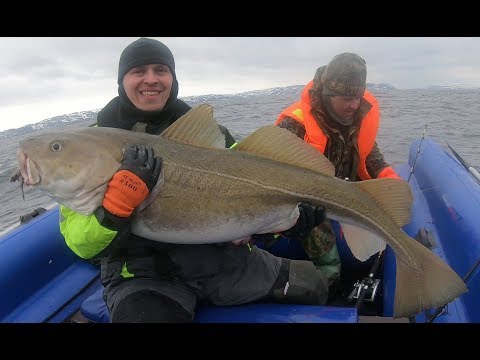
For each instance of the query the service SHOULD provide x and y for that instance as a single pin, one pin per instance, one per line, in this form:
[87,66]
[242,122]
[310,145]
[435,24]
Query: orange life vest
[301,112]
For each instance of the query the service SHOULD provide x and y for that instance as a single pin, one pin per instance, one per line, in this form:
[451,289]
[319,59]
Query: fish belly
[187,224]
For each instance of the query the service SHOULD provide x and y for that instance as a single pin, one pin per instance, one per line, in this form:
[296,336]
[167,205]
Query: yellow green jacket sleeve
[83,233]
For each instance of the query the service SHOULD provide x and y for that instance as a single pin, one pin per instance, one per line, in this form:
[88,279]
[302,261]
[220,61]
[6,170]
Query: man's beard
[327,101]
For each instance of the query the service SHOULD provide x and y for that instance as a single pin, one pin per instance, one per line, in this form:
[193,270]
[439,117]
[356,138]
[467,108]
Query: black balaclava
[345,75]
[121,112]
[142,52]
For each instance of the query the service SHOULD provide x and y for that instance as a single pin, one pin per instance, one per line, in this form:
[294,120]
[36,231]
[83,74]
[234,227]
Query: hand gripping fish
[208,194]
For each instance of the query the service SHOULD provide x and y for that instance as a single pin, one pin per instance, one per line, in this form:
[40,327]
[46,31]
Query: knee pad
[149,307]
[302,283]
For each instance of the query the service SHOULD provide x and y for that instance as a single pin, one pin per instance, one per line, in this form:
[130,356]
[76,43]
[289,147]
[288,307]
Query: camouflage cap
[345,75]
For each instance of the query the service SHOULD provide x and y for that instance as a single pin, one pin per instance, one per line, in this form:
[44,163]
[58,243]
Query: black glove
[310,216]
[141,161]
[132,183]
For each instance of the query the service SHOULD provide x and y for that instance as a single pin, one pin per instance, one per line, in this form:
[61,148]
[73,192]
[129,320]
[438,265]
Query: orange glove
[388,172]
[132,183]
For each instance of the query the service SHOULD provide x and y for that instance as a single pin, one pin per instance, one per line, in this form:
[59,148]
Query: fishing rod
[466,165]
[412,169]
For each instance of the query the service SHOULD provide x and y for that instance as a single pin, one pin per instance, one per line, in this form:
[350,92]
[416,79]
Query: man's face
[148,86]
[345,106]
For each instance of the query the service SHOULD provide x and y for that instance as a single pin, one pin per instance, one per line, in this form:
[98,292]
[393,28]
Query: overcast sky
[42,77]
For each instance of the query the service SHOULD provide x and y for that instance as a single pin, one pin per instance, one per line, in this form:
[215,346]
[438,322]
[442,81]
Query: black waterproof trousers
[167,285]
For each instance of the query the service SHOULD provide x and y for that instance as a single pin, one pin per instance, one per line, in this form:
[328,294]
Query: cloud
[45,77]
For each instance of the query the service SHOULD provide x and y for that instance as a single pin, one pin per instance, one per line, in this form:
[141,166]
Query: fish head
[71,166]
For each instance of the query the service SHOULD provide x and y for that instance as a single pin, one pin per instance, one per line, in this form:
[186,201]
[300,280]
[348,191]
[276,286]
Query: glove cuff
[388,172]
[110,221]
[124,193]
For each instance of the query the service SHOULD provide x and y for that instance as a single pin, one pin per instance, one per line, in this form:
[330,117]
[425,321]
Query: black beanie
[142,52]
[345,75]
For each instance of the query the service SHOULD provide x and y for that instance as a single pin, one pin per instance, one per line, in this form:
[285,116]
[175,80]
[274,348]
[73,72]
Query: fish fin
[279,144]
[154,193]
[392,195]
[362,243]
[433,284]
[283,224]
[198,128]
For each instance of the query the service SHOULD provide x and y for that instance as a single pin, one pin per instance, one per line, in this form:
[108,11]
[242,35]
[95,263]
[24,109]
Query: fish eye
[56,145]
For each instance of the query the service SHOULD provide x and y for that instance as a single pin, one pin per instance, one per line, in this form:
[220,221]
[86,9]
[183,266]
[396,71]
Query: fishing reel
[365,289]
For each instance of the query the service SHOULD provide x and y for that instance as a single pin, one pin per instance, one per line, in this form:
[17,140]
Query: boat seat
[95,310]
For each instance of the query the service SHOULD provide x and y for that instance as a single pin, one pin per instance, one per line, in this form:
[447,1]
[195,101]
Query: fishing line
[466,279]
[412,169]
[465,164]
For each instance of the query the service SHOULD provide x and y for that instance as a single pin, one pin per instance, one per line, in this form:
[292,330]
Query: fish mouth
[26,164]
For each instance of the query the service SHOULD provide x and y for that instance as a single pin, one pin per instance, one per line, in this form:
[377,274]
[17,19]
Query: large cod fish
[208,194]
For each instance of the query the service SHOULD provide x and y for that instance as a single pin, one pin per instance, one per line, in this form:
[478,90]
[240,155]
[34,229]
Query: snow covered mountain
[85,118]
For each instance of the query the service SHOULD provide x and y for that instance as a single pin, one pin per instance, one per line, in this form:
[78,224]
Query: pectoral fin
[282,223]
[362,243]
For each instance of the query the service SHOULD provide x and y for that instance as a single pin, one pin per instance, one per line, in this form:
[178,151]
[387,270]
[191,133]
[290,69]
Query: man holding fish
[149,281]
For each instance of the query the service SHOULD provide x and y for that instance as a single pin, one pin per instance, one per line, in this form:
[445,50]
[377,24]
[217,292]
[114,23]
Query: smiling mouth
[150,93]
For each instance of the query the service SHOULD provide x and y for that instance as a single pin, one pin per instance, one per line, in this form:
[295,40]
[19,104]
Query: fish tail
[431,284]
